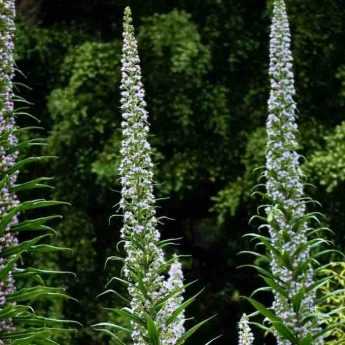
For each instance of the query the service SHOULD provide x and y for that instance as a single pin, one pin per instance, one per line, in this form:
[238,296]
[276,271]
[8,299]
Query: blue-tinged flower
[172,332]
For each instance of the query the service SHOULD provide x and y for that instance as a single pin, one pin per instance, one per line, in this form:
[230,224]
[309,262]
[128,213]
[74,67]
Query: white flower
[170,333]
[245,335]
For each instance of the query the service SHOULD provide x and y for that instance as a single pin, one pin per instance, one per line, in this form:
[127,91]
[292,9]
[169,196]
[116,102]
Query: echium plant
[155,284]
[291,247]
[8,152]
[19,324]
[287,226]
[145,262]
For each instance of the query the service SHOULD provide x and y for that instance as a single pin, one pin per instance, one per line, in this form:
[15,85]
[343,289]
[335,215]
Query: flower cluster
[288,227]
[170,333]
[8,141]
[245,335]
[145,263]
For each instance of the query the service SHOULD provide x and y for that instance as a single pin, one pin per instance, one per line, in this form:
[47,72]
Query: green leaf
[30,160]
[113,325]
[129,315]
[276,322]
[32,293]
[263,310]
[192,330]
[182,307]
[35,224]
[297,300]
[111,334]
[285,332]
[124,299]
[152,331]
[40,182]
[275,286]
[23,247]
[307,340]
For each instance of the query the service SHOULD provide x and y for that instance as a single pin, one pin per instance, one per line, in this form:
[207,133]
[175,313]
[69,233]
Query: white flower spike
[145,262]
[284,185]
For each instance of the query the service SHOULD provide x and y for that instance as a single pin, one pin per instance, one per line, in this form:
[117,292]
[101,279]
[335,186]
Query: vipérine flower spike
[245,335]
[145,263]
[8,153]
[19,323]
[286,216]
[155,309]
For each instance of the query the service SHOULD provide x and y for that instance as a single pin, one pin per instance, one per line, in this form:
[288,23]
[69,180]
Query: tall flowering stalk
[155,283]
[288,226]
[291,276]
[8,152]
[144,259]
[19,323]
